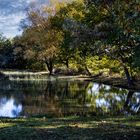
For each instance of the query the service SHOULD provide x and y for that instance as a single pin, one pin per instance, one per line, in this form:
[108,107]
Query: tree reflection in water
[66,97]
[132,103]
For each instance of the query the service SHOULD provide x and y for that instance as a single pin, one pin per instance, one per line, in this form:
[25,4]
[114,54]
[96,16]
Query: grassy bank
[70,128]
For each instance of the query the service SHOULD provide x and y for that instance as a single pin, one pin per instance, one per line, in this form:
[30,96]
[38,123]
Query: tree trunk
[126,71]
[67,63]
[66,90]
[129,96]
[49,89]
[128,77]
[50,66]
[86,68]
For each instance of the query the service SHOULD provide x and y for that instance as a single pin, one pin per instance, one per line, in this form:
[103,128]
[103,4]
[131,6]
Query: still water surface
[60,97]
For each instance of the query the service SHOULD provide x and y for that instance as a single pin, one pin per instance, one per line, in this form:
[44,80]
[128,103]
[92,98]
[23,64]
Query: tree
[112,30]
[123,38]
[23,51]
[46,38]
[6,56]
[66,13]
[70,17]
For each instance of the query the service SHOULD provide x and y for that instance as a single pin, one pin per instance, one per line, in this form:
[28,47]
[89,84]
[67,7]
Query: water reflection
[65,97]
[9,108]
[132,103]
[136,104]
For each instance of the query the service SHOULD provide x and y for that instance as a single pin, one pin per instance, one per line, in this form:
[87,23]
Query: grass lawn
[70,128]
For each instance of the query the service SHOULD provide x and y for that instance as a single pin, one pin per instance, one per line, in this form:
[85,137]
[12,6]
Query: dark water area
[61,97]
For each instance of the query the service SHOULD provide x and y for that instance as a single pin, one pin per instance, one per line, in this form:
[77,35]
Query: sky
[11,13]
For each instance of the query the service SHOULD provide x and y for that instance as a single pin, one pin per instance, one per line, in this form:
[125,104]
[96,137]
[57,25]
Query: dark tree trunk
[66,89]
[50,66]
[87,70]
[128,77]
[129,96]
[126,71]
[49,89]
[67,63]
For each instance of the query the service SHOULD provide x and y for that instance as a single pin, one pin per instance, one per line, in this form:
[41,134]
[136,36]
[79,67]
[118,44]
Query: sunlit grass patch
[3,125]
[70,128]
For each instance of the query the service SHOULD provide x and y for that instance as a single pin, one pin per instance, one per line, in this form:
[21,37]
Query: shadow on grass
[67,129]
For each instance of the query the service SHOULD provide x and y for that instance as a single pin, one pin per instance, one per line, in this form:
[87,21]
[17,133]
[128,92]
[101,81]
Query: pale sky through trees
[11,13]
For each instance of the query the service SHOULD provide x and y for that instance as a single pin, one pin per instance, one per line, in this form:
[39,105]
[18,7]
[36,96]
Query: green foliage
[102,65]
[94,35]
[6,49]
[137,57]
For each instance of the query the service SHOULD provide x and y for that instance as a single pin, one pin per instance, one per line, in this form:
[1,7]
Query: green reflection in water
[66,97]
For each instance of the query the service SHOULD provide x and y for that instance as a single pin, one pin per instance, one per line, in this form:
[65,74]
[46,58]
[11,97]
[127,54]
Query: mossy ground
[70,128]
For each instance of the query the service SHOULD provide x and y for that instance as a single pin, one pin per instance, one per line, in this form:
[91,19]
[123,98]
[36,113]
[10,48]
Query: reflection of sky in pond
[39,97]
[102,102]
[107,87]
[118,98]
[8,108]
[96,87]
[103,95]
[136,105]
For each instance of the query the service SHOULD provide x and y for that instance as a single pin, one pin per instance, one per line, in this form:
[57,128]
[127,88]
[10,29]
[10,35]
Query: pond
[61,97]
